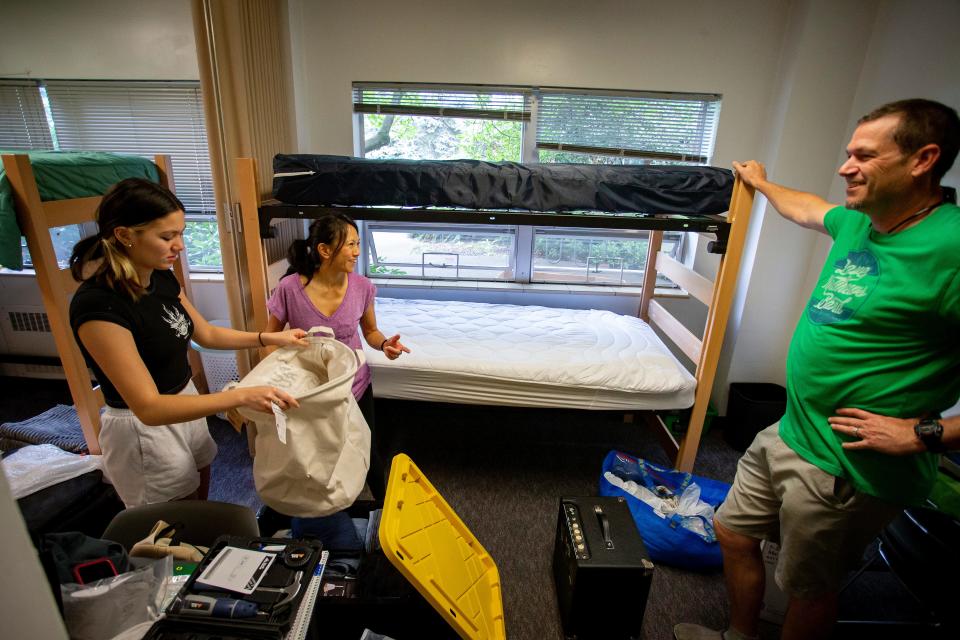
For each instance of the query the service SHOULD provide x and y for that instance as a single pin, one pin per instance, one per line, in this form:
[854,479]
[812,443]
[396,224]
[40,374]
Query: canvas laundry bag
[313,460]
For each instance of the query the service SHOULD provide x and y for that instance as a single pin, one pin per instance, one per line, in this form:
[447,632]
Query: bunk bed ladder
[36,218]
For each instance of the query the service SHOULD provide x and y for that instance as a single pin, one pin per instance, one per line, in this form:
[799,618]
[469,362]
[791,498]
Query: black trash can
[751,408]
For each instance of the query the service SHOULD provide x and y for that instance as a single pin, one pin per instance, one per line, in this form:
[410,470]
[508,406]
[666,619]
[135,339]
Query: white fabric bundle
[313,460]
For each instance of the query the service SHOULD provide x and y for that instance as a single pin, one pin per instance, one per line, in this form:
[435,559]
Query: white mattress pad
[481,353]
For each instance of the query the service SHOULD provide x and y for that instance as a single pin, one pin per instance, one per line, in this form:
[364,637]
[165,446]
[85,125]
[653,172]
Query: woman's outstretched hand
[392,348]
[290,337]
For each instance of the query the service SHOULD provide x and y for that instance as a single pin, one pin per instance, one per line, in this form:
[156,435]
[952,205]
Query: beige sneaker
[687,631]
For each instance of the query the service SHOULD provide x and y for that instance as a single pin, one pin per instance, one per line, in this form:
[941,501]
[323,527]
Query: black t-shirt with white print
[160,326]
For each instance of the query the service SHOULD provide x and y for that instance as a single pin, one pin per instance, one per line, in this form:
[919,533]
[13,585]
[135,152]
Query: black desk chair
[203,521]
[921,548]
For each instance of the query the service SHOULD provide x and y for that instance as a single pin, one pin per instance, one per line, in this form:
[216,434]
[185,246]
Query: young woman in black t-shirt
[134,325]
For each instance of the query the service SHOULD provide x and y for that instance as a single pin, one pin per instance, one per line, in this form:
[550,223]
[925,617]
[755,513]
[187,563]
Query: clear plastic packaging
[694,514]
[39,466]
[105,608]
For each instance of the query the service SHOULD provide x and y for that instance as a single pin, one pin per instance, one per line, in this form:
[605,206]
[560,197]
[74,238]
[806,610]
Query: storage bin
[219,366]
[431,579]
[751,408]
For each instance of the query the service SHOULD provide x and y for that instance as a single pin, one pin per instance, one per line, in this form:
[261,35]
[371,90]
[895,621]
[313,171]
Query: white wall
[841,60]
[896,68]
[691,46]
[98,40]
[820,64]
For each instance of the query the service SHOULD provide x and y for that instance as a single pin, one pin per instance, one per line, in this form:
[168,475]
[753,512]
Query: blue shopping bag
[667,540]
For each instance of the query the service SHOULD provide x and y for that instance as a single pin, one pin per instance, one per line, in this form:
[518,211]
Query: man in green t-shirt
[874,360]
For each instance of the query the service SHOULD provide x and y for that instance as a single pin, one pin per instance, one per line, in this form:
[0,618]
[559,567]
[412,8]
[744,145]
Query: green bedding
[61,175]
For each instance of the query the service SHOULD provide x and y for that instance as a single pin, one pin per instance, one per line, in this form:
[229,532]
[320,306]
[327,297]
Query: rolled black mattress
[303,179]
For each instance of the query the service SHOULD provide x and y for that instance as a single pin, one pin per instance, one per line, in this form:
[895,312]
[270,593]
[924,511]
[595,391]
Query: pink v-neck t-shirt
[290,304]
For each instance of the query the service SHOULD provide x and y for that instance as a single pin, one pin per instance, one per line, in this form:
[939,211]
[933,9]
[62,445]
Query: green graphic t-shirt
[881,332]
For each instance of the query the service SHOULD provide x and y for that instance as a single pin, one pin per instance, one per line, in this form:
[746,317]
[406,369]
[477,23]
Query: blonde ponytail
[114,269]
[117,270]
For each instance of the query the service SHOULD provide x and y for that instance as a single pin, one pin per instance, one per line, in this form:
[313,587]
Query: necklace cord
[913,217]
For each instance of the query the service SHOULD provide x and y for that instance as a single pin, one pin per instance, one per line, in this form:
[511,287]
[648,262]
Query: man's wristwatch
[930,433]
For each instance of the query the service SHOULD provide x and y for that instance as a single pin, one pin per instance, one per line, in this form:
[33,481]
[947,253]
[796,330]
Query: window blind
[447,100]
[141,118]
[23,123]
[656,126]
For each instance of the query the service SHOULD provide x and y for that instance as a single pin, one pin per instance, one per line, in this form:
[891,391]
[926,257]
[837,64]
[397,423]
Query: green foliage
[600,251]
[493,140]
[430,138]
[202,239]
[379,270]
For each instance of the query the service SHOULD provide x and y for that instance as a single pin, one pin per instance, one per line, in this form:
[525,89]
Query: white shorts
[154,464]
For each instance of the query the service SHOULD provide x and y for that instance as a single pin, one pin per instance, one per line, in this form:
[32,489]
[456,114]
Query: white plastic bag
[695,514]
[38,466]
[102,609]
[313,460]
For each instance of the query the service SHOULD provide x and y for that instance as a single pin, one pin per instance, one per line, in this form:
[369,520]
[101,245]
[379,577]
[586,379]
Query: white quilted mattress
[528,356]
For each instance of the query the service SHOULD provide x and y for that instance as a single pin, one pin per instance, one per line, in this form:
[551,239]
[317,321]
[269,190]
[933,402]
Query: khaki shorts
[154,464]
[821,522]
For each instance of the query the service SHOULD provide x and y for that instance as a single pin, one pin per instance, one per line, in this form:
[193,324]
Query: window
[589,256]
[578,126]
[525,124]
[462,252]
[23,121]
[134,117]
[442,123]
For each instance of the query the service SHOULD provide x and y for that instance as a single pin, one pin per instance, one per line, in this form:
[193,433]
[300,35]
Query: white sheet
[529,356]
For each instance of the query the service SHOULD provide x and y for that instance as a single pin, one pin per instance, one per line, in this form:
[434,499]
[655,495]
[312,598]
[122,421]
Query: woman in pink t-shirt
[321,289]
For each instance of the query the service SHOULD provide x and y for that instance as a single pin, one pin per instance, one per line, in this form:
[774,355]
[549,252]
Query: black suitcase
[601,569]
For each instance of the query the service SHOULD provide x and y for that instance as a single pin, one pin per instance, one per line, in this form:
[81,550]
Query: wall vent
[31,322]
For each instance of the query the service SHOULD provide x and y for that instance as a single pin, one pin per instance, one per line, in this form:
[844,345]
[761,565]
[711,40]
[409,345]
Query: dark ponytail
[132,203]
[331,230]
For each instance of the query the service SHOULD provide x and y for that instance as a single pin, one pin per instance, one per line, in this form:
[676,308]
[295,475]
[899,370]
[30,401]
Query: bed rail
[705,223]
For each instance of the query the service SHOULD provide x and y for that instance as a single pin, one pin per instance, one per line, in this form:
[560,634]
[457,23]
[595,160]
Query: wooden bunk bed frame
[57,285]
[717,295]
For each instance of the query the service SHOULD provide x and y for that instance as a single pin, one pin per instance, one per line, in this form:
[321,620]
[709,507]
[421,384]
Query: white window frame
[369,255]
[178,102]
[700,152]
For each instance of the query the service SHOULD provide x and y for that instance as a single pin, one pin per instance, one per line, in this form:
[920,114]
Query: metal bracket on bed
[704,223]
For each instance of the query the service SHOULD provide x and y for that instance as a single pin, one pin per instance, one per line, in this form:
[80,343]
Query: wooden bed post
[654,242]
[56,286]
[741,203]
[249,193]
[182,270]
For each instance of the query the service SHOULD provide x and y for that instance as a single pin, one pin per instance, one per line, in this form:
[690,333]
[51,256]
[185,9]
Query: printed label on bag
[281,419]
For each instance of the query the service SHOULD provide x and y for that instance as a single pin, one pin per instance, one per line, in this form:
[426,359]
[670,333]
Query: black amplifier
[601,569]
